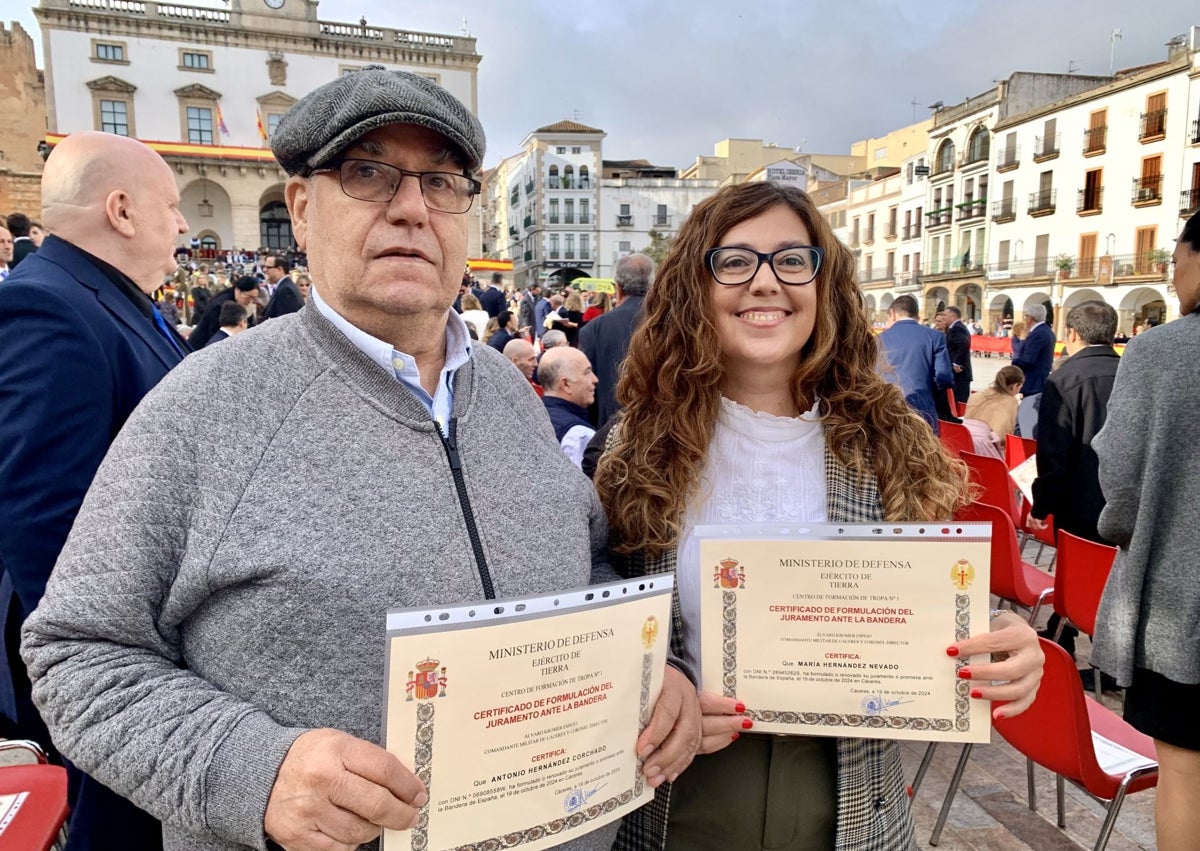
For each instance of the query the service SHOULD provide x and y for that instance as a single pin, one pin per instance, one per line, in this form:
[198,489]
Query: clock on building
[275,4]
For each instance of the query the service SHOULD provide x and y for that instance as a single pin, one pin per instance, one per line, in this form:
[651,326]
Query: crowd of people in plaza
[212,493]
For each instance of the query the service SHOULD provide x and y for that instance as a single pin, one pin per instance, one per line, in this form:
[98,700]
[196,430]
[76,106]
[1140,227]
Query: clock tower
[297,17]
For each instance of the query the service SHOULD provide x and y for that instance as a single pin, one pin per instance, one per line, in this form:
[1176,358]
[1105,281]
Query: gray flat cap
[330,118]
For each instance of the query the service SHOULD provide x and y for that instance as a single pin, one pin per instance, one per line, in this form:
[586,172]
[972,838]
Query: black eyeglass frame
[336,167]
[769,259]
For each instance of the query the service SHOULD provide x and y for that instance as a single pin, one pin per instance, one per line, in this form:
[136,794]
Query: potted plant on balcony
[1065,263]
[1159,258]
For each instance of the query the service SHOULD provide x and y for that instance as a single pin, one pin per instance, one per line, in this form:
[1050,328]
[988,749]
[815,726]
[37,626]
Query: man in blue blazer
[80,344]
[918,356]
[1035,360]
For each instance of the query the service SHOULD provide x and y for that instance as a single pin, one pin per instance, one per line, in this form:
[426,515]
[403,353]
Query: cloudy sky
[668,78]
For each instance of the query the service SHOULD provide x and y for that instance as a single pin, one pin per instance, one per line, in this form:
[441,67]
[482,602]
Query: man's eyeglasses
[793,266]
[367,180]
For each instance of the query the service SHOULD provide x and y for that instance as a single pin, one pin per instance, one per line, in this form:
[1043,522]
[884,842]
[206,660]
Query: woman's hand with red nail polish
[1006,664]
[720,722]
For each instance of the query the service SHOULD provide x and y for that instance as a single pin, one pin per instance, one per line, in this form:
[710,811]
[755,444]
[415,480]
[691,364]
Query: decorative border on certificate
[872,706]
[541,831]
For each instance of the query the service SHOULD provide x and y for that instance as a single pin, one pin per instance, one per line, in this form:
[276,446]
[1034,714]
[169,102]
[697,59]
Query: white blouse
[761,469]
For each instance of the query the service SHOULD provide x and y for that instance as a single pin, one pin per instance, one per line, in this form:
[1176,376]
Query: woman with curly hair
[751,395]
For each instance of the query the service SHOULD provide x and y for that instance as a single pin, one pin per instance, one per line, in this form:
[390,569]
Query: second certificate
[842,630]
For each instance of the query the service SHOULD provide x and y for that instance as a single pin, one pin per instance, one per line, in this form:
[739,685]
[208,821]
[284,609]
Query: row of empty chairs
[1065,730]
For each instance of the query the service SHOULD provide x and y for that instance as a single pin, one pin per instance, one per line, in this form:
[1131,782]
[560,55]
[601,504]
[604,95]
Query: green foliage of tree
[658,248]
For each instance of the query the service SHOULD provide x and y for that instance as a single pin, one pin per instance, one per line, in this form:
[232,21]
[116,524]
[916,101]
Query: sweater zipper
[450,442]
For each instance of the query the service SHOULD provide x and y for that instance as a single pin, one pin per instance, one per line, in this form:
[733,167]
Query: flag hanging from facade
[221,121]
[262,131]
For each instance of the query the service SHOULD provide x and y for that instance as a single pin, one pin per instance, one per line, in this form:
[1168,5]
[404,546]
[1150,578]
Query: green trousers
[775,793]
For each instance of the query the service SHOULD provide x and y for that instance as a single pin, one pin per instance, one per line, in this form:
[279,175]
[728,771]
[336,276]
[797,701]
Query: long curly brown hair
[671,378]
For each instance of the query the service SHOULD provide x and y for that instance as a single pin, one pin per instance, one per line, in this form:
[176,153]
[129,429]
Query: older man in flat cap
[211,642]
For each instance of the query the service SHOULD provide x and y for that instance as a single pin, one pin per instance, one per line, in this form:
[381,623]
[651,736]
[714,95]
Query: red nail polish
[734,737]
[964,674]
[747,723]
[740,708]
[951,651]
[976,693]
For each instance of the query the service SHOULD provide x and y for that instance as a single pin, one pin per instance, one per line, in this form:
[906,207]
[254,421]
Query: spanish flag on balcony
[221,121]
[262,131]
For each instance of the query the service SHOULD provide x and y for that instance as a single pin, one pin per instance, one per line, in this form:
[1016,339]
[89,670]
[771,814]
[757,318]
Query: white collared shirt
[404,366]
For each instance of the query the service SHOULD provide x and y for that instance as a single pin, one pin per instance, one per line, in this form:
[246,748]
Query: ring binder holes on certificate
[945,531]
[921,531]
[642,587]
[606,594]
[897,531]
[958,531]
[556,602]
[499,610]
[428,618]
[520,607]
[471,613]
[444,616]
[589,597]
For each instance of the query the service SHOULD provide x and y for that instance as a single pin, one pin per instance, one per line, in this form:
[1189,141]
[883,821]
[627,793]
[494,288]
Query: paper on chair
[1115,758]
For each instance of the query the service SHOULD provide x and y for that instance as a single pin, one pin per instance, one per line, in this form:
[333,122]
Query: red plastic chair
[1018,449]
[37,823]
[1083,568]
[991,475]
[1013,580]
[955,408]
[1058,732]
[955,437]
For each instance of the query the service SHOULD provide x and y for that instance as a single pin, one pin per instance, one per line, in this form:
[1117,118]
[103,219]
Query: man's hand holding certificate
[843,630]
[529,721]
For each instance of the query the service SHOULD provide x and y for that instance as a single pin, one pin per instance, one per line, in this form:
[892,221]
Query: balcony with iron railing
[1147,191]
[971,210]
[1154,126]
[515,198]
[1043,203]
[912,231]
[1009,158]
[1004,210]
[1090,202]
[1196,132]
[552,218]
[869,239]
[554,254]
[663,221]
[1046,148]
[585,254]
[938,218]
[624,221]
[1189,202]
[1124,267]
[565,182]
[529,186]
[528,222]
[1094,140]
[889,232]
